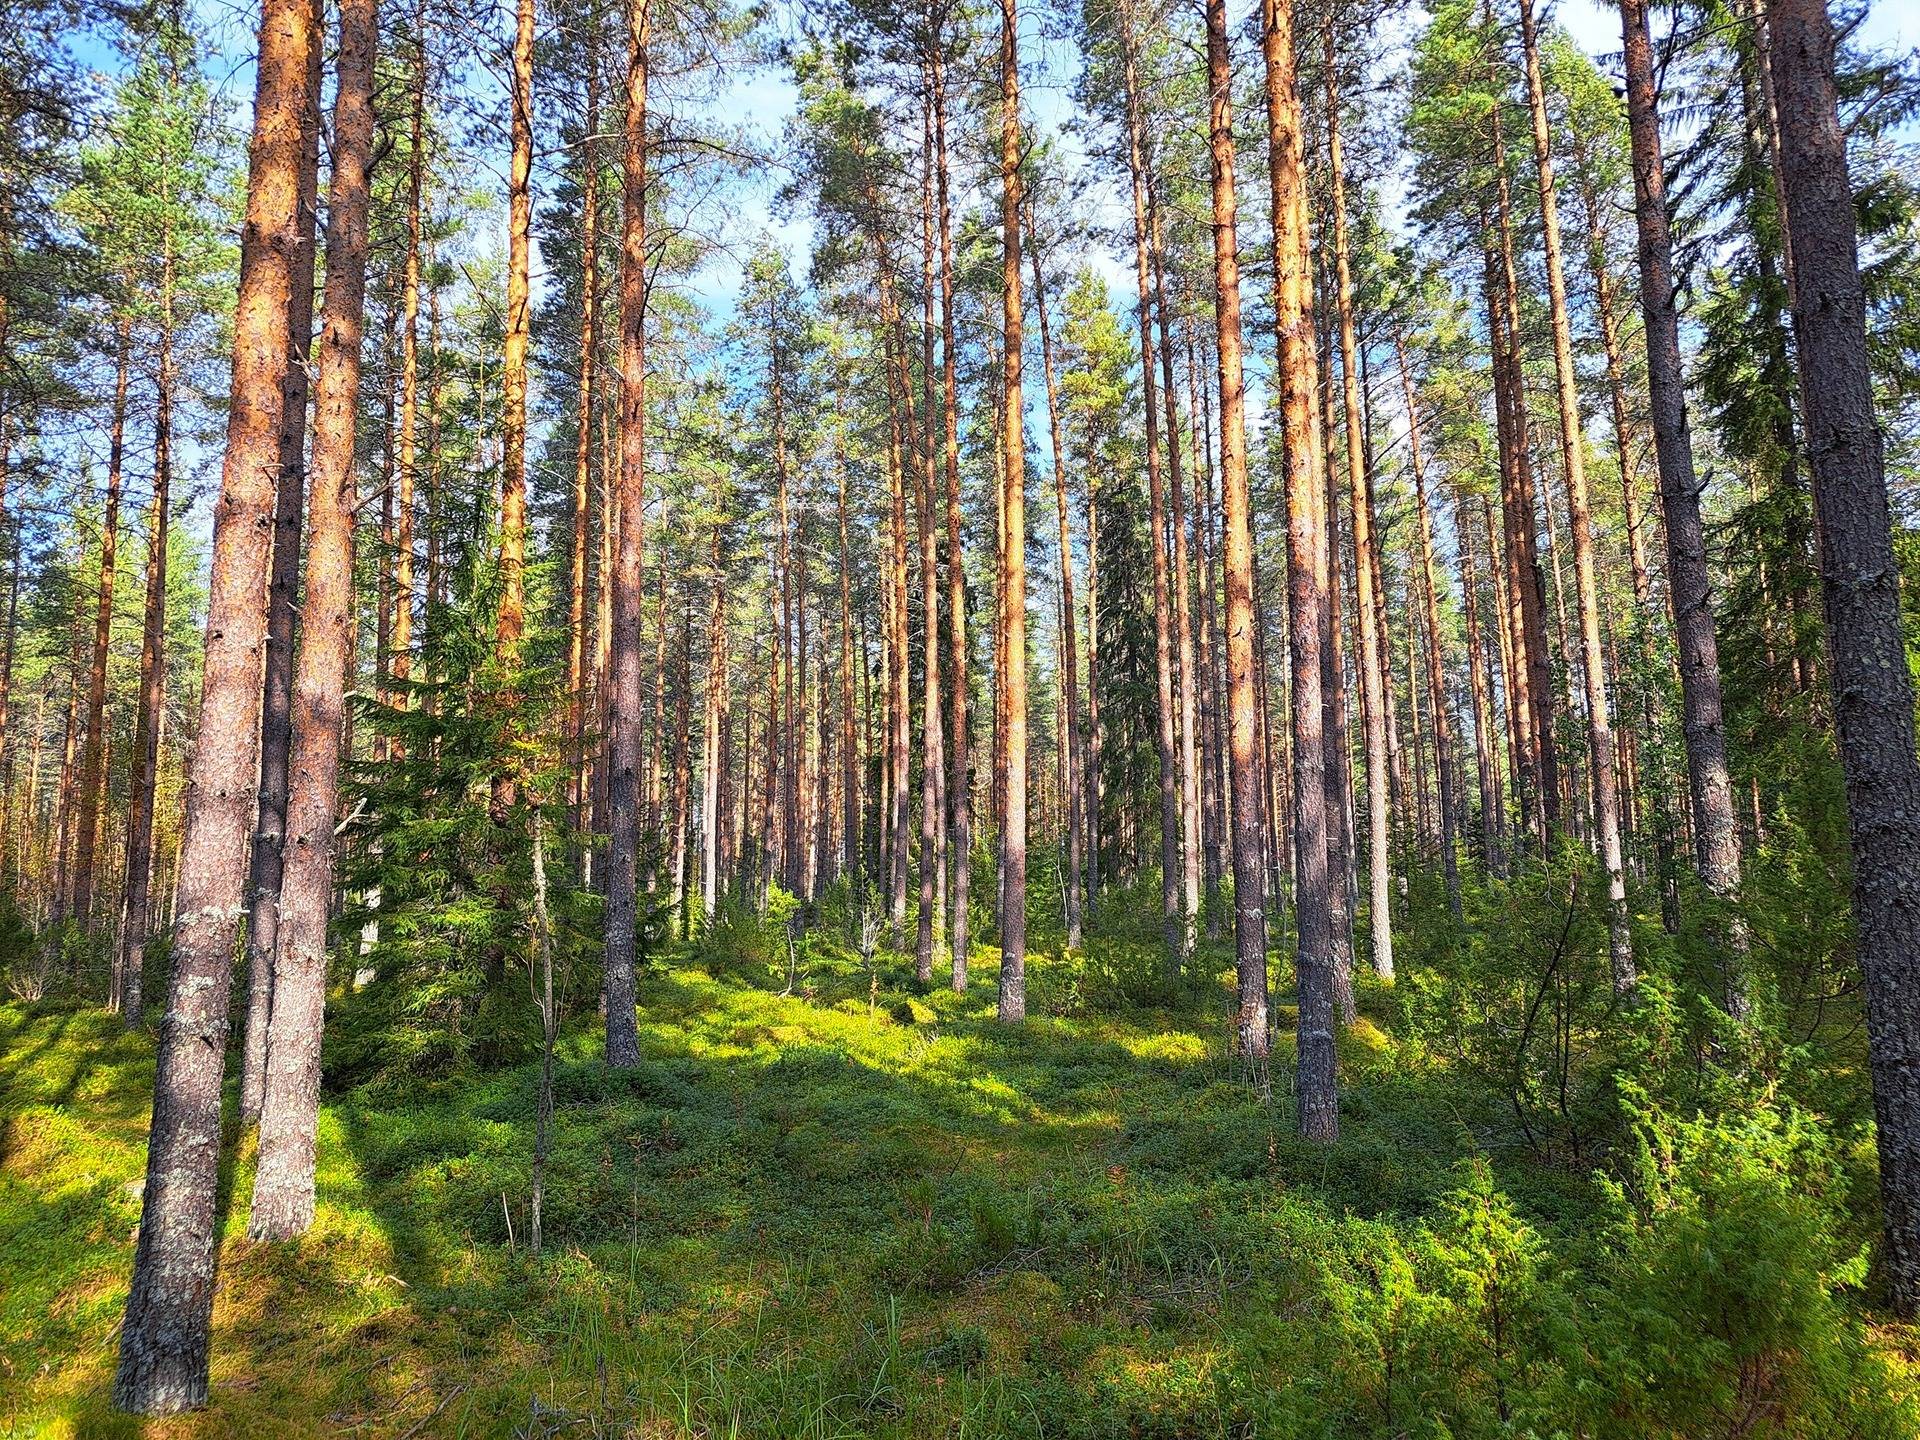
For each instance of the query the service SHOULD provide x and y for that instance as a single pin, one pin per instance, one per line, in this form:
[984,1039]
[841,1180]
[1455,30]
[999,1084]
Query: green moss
[806,1216]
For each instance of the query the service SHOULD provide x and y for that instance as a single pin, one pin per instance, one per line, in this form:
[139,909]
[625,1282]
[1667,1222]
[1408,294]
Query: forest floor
[849,1210]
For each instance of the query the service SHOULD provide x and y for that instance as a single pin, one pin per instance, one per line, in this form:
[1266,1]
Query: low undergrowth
[829,1204]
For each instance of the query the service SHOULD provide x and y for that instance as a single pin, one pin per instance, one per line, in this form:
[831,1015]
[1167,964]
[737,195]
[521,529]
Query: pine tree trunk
[1175,532]
[150,698]
[1872,690]
[1249,822]
[276,696]
[1429,591]
[959,786]
[577,652]
[1605,777]
[1298,381]
[283,1187]
[1013,599]
[1359,487]
[164,1338]
[1069,625]
[1689,581]
[624,713]
[1170,862]
[93,757]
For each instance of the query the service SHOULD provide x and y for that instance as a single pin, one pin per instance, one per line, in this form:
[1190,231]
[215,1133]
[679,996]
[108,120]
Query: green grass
[805,1215]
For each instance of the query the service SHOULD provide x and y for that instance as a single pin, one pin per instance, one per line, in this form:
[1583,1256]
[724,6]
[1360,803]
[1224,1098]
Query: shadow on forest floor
[848,1212]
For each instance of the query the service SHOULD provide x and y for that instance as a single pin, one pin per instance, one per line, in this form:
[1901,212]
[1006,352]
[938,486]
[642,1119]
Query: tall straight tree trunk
[1872,691]
[577,652]
[151,696]
[1249,822]
[1013,568]
[1360,497]
[959,786]
[714,720]
[1333,699]
[1213,706]
[1069,625]
[899,704]
[400,637]
[625,698]
[1090,779]
[1429,594]
[933,759]
[1606,795]
[164,1337]
[276,696]
[1716,850]
[1175,533]
[510,620]
[1170,862]
[93,757]
[1298,381]
[283,1187]
[849,745]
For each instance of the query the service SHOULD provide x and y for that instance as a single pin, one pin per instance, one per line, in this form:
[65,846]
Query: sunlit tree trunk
[93,757]
[1174,532]
[1298,381]
[1586,578]
[283,1187]
[1249,825]
[624,714]
[1689,581]
[150,693]
[270,806]
[1428,587]
[1069,640]
[164,1337]
[578,655]
[1013,568]
[1372,639]
[1170,861]
[1872,689]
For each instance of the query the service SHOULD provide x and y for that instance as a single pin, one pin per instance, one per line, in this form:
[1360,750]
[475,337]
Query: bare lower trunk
[1318,1116]
[93,758]
[164,1338]
[624,697]
[1689,581]
[1606,796]
[1360,497]
[1170,863]
[283,1190]
[1872,691]
[1013,838]
[276,692]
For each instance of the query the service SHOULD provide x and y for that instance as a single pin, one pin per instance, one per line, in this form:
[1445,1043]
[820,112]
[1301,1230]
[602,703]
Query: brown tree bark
[959,785]
[164,1338]
[283,1187]
[1249,821]
[624,711]
[276,696]
[1298,382]
[151,695]
[1872,691]
[1606,795]
[578,655]
[1429,594]
[1170,858]
[1069,625]
[93,756]
[1013,567]
[1175,532]
[1689,581]
[1360,498]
